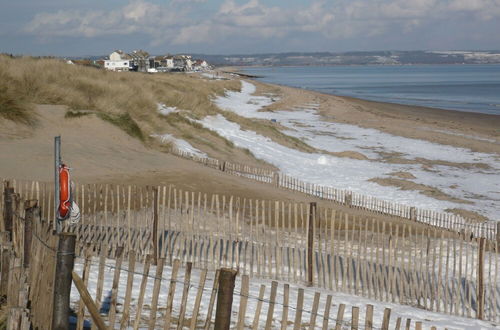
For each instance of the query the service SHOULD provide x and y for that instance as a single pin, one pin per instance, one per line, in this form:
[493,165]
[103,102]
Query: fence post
[8,207]
[155,225]
[6,255]
[225,298]
[413,213]
[62,283]
[480,280]
[310,243]
[32,213]
[348,199]
[498,232]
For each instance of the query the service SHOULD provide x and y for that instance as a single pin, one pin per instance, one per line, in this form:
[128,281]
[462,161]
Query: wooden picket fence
[28,260]
[489,229]
[29,250]
[171,297]
[396,261]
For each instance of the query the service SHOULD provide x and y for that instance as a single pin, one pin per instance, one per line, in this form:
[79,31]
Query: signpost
[57,165]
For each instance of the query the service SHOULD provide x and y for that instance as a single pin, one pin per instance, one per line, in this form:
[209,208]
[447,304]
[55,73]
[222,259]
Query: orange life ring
[64,193]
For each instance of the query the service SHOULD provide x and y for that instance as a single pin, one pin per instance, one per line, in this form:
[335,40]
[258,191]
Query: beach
[116,157]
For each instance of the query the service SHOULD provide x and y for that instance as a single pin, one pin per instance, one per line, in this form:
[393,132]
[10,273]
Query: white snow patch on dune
[179,144]
[164,110]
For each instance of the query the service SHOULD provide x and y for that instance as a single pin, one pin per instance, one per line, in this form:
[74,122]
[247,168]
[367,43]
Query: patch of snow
[343,173]
[180,144]
[428,318]
[306,124]
[164,110]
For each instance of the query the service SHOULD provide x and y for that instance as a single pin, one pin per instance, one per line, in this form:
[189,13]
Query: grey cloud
[332,20]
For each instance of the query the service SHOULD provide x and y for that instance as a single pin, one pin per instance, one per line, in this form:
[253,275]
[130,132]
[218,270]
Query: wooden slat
[211,304]
[340,317]
[314,312]
[156,292]
[171,293]
[89,303]
[284,316]
[272,302]
[386,319]
[326,314]
[243,302]
[369,317]
[114,289]
[185,292]
[355,318]
[142,292]
[85,279]
[255,324]
[128,292]
[298,310]
[199,294]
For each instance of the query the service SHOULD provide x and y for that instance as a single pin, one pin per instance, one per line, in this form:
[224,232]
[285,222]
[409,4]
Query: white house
[118,61]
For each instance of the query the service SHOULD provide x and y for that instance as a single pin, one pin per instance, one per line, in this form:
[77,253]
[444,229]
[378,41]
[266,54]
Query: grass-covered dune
[26,80]
[128,100]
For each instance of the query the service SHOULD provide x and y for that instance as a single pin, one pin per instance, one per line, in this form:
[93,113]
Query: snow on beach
[428,318]
[180,144]
[478,186]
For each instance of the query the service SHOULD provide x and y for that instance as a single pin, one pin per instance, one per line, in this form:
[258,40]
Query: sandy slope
[100,152]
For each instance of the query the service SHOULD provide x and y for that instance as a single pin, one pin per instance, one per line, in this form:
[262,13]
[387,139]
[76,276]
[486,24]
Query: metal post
[62,284]
[57,164]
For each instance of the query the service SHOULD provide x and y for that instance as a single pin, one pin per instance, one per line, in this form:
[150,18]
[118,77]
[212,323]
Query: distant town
[142,61]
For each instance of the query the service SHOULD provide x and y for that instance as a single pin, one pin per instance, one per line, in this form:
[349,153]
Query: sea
[471,88]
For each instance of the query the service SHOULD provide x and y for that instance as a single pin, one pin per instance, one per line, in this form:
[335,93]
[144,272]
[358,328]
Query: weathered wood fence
[28,283]
[29,252]
[489,229]
[172,297]
[418,265]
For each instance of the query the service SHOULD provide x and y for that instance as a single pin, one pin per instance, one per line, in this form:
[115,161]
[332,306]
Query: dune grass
[13,107]
[120,95]
[125,122]
[128,100]
[15,110]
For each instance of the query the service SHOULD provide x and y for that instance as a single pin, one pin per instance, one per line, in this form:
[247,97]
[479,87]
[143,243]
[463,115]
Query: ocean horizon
[470,88]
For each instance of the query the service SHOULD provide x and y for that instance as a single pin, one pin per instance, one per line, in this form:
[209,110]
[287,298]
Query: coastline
[472,130]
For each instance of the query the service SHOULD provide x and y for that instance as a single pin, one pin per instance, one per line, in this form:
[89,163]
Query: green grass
[76,114]
[125,122]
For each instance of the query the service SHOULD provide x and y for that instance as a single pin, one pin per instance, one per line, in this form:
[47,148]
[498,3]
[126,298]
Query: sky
[96,27]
